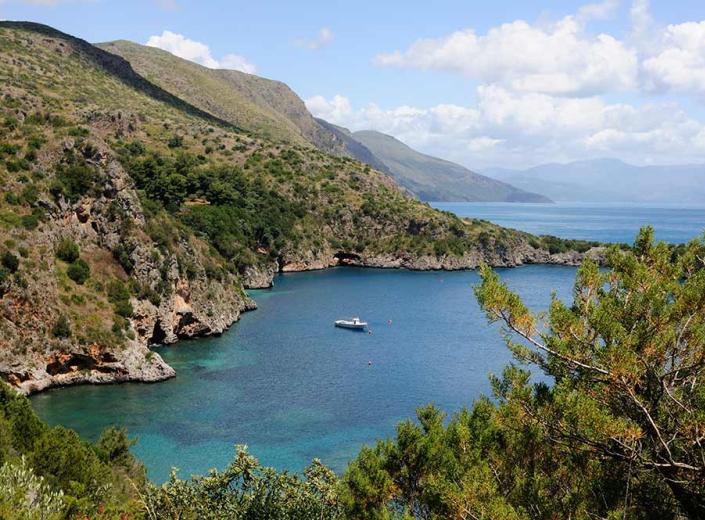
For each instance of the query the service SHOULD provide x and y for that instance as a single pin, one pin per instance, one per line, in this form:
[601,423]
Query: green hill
[264,107]
[433,179]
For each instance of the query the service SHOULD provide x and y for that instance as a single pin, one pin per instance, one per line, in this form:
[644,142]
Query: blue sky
[507,83]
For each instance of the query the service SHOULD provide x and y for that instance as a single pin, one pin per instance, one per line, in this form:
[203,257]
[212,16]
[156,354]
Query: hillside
[611,180]
[355,148]
[433,179]
[263,107]
[129,217]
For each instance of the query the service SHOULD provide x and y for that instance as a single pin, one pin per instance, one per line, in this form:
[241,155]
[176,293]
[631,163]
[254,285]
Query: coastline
[130,366]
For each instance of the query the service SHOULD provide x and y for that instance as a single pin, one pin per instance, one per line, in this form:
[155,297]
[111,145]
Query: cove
[292,387]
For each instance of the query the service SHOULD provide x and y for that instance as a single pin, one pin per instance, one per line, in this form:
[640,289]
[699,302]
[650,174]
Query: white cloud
[237,62]
[481,144]
[198,52]
[680,64]
[522,129]
[323,38]
[560,58]
[598,11]
[564,59]
[336,110]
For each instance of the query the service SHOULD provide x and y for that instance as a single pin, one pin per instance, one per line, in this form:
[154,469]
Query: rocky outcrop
[259,276]
[174,294]
[471,260]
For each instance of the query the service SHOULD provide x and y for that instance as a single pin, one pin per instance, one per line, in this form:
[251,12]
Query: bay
[292,387]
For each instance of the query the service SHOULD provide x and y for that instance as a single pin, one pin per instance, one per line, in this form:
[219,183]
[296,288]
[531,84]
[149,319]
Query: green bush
[24,495]
[67,250]
[119,296]
[176,142]
[73,180]
[30,194]
[32,220]
[62,328]
[78,271]
[70,464]
[12,198]
[10,261]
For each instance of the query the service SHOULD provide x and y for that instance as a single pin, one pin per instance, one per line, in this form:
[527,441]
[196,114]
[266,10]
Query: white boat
[354,323]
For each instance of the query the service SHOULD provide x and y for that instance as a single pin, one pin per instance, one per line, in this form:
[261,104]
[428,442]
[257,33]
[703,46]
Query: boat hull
[351,326]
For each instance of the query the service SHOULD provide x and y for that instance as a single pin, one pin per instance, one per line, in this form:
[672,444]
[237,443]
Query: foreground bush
[246,490]
[48,473]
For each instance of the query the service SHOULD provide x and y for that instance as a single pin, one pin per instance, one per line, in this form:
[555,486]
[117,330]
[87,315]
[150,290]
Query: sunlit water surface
[287,383]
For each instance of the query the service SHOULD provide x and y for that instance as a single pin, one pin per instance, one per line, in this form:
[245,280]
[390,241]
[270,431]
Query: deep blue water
[602,222]
[287,383]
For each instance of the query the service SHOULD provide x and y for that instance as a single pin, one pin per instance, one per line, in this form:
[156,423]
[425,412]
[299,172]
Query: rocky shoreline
[179,319]
[263,277]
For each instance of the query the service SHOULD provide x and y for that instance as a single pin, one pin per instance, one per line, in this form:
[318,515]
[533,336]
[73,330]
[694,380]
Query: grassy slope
[435,179]
[264,107]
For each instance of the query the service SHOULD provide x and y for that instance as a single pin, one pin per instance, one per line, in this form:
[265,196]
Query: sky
[507,83]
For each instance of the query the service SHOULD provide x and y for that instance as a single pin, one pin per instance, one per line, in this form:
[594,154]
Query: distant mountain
[264,107]
[433,179]
[610,180]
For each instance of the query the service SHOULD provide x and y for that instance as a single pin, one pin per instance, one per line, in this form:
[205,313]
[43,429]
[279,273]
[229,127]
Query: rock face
[189,304]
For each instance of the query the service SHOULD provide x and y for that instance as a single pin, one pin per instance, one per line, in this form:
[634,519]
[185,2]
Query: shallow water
[287,383]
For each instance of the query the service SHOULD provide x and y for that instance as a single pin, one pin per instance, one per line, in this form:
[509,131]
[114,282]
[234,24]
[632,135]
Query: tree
[78,271]
[246,490]
[628,363]
[67,250]
[62,327]
[10,262]
[613,431]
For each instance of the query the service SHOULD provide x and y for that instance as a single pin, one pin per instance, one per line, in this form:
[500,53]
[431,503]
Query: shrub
[12,198]
[30,194]
[32,220]
[119,296]
[122,255]
[176,142]
[73,181]
[62,328]
[123,308]
[70,464]
[10,262]
[67,250]
[79,271]
[18,165]
[23,494]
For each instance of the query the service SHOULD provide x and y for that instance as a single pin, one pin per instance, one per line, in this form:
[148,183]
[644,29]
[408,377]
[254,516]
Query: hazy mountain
[610,180]
[431,178]
[265,107]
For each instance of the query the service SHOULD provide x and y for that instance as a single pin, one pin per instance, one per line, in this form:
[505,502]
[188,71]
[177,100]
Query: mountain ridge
[611,180]
[265,107]
[435,179]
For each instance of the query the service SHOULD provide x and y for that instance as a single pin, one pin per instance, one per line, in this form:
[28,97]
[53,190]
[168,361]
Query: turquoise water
[602,222]
[291,386]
